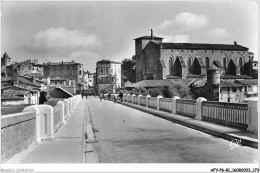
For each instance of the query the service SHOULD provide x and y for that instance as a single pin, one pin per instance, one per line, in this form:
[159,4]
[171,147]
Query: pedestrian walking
[109,96]
[121,96]
[82,94]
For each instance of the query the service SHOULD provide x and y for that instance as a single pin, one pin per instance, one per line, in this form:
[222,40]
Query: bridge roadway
[126,135]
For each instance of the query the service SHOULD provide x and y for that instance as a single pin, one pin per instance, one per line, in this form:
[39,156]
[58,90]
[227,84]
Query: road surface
[126,135]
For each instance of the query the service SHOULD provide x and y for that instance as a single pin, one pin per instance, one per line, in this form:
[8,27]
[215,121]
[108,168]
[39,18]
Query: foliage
[179,90]
[128,70]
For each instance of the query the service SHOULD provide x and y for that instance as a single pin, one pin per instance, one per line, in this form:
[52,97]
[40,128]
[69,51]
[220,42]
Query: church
[158,60]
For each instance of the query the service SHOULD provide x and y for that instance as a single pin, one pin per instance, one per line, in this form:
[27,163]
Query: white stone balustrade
[138,99]
[147,103]
[252,114]
[133,99]
[199,108]
[158,102]
[174,108]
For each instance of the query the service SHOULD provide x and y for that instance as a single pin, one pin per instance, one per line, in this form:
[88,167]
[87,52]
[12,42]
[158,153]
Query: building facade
[108,76]
[158,60]
[71,72]
[221,90]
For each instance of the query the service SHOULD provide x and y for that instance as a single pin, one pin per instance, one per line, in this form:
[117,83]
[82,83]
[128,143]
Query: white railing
[152,102]
[165,104]
[234,114]
[186,107]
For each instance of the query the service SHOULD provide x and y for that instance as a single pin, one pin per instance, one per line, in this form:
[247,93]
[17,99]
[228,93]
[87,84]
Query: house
[108,76]
[217,89]
[72,72]
[16,95]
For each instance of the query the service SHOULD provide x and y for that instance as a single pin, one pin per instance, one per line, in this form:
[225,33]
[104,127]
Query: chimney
[151,34]
[235,43]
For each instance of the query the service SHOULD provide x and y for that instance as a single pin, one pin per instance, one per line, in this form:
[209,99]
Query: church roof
[148,37]
[6,55]
[199,46]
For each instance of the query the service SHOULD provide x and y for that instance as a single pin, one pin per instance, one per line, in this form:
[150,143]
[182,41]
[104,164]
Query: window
[71,83]
[80,72]
[189,63]
[227,89]
[207,62]
[170,64]
[205,51]
[224,63]
[240,89]
[61,83]
[240,62]
[249,88]
[111,71]
[233,89]
[191,51]
[55,83]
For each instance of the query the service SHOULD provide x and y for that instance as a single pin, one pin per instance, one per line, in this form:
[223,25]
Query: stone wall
[18,132]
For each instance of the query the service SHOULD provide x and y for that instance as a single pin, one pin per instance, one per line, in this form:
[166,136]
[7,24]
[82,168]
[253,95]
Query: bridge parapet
[34,124]
[236,115]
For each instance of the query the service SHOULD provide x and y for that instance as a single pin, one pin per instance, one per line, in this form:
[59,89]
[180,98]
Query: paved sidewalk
[247,138]
[67,146]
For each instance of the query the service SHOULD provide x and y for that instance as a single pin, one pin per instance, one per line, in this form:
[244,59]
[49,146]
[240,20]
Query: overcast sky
[90,31]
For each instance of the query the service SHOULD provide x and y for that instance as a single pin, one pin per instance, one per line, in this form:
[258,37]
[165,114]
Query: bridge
[141,129]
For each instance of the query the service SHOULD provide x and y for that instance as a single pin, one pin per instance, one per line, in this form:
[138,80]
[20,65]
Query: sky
[88,31]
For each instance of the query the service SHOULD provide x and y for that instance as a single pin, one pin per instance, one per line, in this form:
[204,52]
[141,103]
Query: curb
[89,151]
[244,142]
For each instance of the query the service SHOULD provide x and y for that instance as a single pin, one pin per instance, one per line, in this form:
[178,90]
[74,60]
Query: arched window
[207,62]
[189,63]
[224,63]
[240,62]
[170,64]
[80,72]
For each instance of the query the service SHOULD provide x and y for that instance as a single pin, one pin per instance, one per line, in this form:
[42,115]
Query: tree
[128,70]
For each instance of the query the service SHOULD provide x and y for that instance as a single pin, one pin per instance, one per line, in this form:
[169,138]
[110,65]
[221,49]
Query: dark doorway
[42,98]
[231,69]
[177,68]
[196,68]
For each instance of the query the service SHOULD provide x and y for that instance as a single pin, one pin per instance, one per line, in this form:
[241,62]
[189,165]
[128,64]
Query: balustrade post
[61,103]
[252,116]
[147,103]
[124,96]
[199,110]
[174,105]
[38,121]
[138,99]
[158,101]
[133,98]
[127,99]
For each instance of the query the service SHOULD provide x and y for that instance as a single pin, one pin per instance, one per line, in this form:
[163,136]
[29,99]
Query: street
[126,135]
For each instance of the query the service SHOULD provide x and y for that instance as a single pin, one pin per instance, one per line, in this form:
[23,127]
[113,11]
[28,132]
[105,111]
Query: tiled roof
[229,84]
[6,55]
[13,95]
[148,37]
[65,91]
[57,79]
[19,87]
[227,76]
[203,46]
[247,82]
[5,79]
[60,63]
[108,61]
[151,83]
